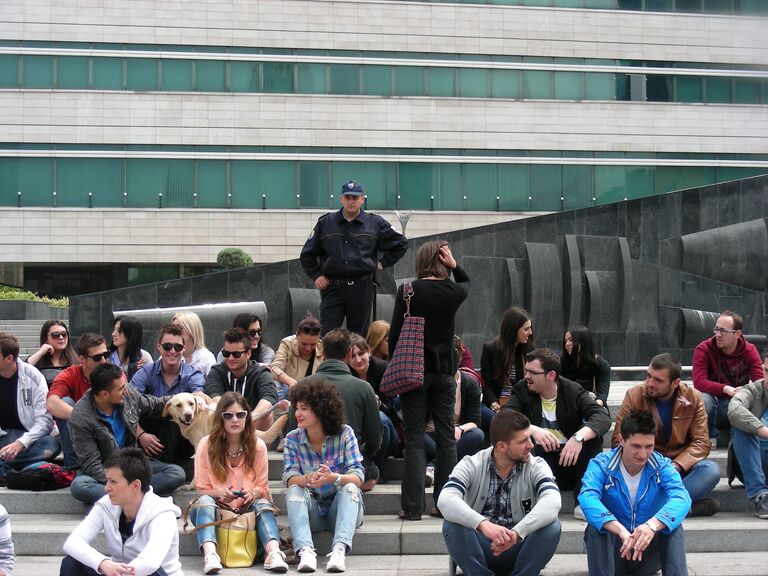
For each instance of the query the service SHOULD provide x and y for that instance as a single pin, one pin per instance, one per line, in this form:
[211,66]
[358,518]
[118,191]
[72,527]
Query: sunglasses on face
[254,332]
[167,346]
[237,415]
[235,353]
[99,357]
[311,330]
[58,335]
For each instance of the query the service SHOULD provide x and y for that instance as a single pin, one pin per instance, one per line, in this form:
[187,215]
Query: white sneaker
[336,560]
[275,562]
[578,513]
[212,563]
[308,560]
[429,476]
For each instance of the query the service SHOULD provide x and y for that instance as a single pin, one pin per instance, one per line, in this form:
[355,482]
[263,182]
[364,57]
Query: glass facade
[741,7]
[132,73]
[289,184]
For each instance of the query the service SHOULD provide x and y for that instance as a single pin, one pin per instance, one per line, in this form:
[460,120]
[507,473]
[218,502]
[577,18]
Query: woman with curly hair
[56,351]
[582,365]
[126,350]
[324,473]
[503,358]
[231,469]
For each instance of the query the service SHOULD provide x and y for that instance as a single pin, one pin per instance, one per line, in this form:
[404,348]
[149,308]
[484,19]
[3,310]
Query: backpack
[39,477]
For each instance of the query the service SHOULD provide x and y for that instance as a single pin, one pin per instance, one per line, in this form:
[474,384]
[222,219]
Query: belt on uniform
[346,281]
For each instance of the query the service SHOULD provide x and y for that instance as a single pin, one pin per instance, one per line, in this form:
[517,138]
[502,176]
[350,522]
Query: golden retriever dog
[193,413]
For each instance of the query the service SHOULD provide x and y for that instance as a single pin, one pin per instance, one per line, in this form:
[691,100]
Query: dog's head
[183,408]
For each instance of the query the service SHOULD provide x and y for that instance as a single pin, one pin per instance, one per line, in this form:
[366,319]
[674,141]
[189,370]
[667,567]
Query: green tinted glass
[177,75]
[747,91]
[577,186]
[441,81]
[278,77]
[600,86]
[314,185]
[546,185]
[108,73]
[689,89]
[481,186]
[345,78]
[537,84]
[568,85]
[311,78]
[142,74]
[719,90]
[36,181]
[210,76]
[211,183]
[377,80]
[245,76]
[72,72]
[474,83]
[416,181]
[409,81]
[37,71]
[506,83]
[9,71]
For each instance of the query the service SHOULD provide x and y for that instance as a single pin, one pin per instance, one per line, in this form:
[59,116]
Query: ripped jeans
[343,517]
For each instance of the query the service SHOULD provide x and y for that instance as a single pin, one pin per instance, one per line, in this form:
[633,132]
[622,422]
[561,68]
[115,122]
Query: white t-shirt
[632,482]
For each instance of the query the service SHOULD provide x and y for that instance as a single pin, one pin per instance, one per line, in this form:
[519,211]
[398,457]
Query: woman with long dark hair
[503,358]
[582,365]
[56,351]
[231,469]
[126,351]
[251,323]
[436,298]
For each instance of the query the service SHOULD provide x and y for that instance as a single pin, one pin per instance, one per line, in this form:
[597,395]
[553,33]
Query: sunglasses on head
[99,357]
[235,353]
[255,332]
[312,330]
[59,335]
[167,346]
[238,415]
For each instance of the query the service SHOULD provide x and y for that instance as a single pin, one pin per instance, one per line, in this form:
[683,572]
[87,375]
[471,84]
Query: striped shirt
[339,452]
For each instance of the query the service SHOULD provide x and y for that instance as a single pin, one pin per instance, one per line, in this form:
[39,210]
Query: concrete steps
[26,331]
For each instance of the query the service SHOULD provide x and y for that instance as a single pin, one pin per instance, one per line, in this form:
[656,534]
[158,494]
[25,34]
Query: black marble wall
[637,272]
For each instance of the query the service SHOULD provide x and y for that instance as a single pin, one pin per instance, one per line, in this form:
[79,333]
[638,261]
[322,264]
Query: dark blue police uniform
[347,253]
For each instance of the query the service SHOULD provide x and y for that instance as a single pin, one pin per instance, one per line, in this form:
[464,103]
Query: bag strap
[196,504]
[407,295]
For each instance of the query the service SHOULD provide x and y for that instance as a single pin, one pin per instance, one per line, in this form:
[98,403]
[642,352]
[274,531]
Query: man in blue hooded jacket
[634,502]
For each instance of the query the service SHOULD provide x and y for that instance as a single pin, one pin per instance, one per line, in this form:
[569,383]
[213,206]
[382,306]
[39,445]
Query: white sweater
[154,543]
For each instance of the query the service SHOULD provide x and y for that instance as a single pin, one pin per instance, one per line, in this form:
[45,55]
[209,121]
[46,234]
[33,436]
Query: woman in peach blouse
[231,469]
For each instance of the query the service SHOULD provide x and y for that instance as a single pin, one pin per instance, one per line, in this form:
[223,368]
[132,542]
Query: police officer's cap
[352,188]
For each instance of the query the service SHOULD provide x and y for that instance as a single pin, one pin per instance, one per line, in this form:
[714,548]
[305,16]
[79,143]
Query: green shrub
[8,293]
[233,258]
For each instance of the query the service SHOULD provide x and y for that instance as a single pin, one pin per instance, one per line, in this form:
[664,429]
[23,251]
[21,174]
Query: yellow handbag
[236,538]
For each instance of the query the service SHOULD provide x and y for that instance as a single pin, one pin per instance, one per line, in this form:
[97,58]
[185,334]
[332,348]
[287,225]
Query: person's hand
[12,450]
[495,406]
[321,283]
[247,497]
[446,257]
[570,453]
[626,545]
[546,440]
[321,477]
[639,540]
[379,266]
[110,568]
[140,363]
[457,432]
[150,444]
[501,538]
[224,494]
[729,390]
[46,349]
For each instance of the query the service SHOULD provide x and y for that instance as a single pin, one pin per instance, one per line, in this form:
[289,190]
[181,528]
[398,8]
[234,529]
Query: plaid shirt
[339,452]
[498,505]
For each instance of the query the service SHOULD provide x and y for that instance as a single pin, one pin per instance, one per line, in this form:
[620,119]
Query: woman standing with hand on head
[436,298]
[231,468]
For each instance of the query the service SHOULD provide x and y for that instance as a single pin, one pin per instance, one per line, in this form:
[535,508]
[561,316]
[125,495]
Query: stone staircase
[733,542]
[27,332]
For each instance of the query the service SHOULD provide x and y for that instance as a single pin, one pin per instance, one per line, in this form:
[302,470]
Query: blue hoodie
[604,495]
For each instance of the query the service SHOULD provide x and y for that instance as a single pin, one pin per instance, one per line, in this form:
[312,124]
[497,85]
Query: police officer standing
[341,255]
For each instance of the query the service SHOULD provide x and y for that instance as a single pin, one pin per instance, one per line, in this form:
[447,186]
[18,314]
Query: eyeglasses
[59,335]
[167,346]
[99,357]
[311,330]
[235,353]
[717,330]
[534,372]
[237,415]
[254,333]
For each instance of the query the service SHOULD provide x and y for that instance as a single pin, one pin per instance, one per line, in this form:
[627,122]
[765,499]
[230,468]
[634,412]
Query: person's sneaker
[704,507]
[336,560]
[275,562]
[760,503]
[429,476]
[212,563]
[578,513]
[307,560]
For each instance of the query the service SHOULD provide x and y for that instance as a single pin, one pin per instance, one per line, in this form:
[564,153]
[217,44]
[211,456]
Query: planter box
[29,310]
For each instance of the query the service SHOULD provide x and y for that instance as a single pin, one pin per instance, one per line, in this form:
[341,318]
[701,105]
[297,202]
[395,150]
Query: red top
[71,382]
[713,369]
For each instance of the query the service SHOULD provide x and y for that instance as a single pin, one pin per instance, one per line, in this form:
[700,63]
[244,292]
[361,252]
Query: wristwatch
[337,482]
[578,438]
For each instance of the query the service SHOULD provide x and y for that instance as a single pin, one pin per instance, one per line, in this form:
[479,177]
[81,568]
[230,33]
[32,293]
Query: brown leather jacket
[689,440]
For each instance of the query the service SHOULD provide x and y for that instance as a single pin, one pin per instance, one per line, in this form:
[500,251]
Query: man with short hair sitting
[635,503]
[140,528]
[107,418]
[501,504]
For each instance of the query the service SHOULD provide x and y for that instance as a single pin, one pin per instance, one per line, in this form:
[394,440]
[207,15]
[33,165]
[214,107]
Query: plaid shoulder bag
[405,371]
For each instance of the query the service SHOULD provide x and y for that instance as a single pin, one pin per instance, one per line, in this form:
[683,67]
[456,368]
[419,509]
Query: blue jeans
[343,517]
[72,567]
[165,479]
[717,413]
[43,449]
[266,526]
[666,552]
[389,437]
[471,550]
[753,459]
[70,458]
[470,443]
[702,479]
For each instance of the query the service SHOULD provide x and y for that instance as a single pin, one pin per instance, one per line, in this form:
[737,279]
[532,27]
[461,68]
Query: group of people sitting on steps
[527,426]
